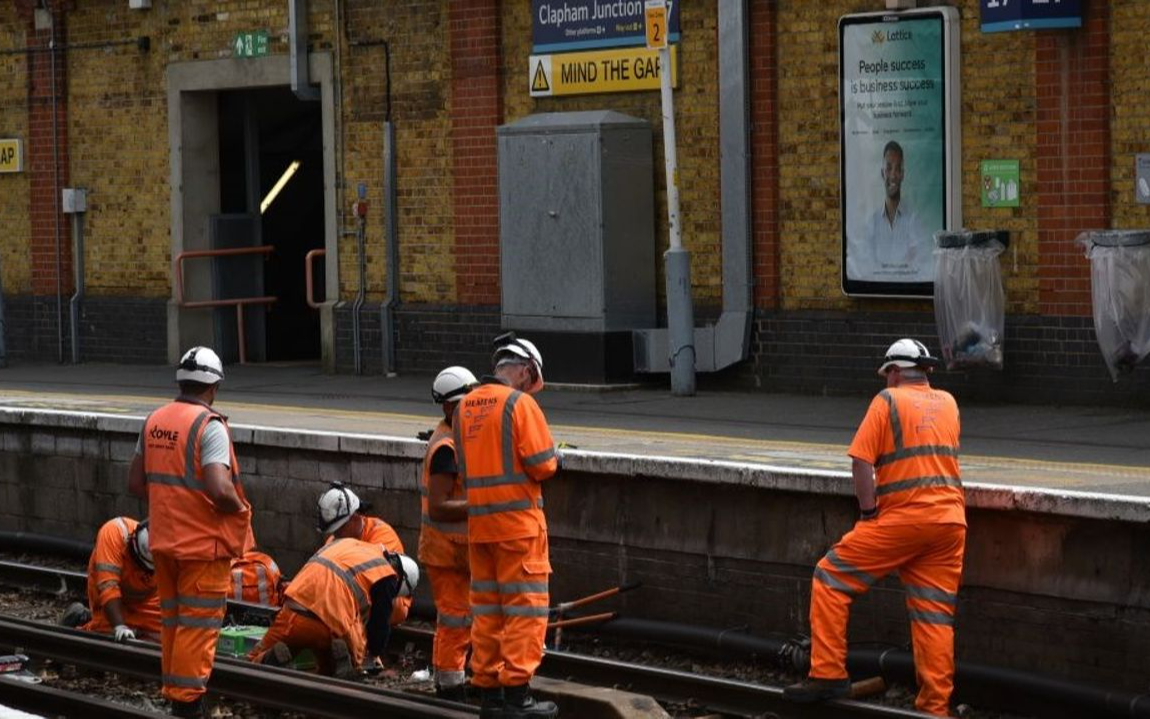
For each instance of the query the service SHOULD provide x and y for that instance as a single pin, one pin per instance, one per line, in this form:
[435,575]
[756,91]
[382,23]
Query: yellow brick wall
[15,273]
[1130,95]
[696,126]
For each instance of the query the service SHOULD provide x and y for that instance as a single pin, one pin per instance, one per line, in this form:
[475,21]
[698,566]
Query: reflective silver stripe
[237,584]
[895,424]
[105,585]
[123,528]
[190,449]
[523,588]
[517,505]
[111,568]
[485,586]
[369,564]
[924,450]
[917,483]
[509,432]
[454,621]
[460,460]
[519,611]
[931,618]
[849,569]
[193,622]
[348,579]
[168,604]
[932,594]
[446,527]
[539,458]
[262,583]
[838,585]
[176,680]
[135,593]
[202,602]
[479,610]
[497,480]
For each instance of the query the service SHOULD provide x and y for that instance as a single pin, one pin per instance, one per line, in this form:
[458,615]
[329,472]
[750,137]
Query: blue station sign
[569,25]
[1007,15]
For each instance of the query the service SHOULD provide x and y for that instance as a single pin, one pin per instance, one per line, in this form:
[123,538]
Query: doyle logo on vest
[168,435]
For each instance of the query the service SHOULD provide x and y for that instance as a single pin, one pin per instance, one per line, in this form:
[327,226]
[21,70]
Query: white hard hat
[405,568]
[200,364]
[510,344]
[907,353]
[335,507]
[452,383]
[140,547]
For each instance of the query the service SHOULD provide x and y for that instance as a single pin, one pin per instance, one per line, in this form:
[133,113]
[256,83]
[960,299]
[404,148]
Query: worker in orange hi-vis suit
[504,451]
[338,606]
[443,539]
[256,578]
[906,476]
[121,587]
[199,522]
[340,515]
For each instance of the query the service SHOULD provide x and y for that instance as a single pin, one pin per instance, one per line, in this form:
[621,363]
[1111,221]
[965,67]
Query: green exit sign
[251,44]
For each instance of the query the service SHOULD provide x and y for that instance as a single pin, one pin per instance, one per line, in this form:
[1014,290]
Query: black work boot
[817,690]
[75,615]
[189,709]
[278,656]
[341,660]
[457,693]
[491,703]
[521,705]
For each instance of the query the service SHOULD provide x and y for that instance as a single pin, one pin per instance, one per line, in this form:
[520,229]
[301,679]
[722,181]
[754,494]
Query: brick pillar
[1073,84]
[476,109]
[764,151]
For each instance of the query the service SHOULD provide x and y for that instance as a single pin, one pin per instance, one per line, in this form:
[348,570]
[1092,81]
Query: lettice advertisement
[898,138]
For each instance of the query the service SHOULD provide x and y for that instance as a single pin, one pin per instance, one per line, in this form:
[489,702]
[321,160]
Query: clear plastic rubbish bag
[1120,290]
[969,303]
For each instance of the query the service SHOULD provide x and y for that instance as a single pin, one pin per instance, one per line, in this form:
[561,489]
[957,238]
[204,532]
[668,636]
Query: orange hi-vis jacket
[504,450]
[256,578]
[441,544]
[113,574]
[184,523]
[335,586]
[377,531]
[911,436]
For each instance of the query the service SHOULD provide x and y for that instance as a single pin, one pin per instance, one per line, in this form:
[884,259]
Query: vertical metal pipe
[297,47]
[56,200]
[78,295]
[389,180]
[360,239]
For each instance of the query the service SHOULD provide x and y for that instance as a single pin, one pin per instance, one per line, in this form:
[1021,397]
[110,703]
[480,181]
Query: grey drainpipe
[297,31]
[392,229]
[728,341]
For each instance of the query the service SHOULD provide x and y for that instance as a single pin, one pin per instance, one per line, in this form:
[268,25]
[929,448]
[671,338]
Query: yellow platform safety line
[766,444]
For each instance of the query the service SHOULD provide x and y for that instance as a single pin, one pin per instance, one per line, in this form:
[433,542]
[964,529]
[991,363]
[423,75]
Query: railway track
[327,697]
[39,699]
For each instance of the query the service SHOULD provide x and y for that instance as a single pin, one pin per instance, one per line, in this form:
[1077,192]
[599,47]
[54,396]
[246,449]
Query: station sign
[250,44]
[11,155]
[583,73]
[1008,15]
[570,25]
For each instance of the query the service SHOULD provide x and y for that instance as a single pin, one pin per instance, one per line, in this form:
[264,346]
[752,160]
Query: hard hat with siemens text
[907,353]
[406,568]
[335,507]
[451,384]
[140,548]
[200,364]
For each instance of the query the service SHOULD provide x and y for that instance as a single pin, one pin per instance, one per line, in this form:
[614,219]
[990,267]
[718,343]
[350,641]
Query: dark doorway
[268,137]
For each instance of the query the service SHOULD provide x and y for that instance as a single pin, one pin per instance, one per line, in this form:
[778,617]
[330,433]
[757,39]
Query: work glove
[123,633]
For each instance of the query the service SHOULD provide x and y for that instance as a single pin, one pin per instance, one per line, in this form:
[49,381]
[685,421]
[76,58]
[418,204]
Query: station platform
[1084,449]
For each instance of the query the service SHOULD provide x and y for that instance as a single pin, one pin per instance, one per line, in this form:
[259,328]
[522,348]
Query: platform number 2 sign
[655,18]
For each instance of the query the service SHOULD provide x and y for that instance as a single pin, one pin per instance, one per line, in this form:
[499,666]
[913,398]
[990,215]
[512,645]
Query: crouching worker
[338,606]
[121,587]
[256,578]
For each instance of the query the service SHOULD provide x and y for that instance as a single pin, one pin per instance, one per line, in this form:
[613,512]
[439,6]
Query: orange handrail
[239,303]
[309,278]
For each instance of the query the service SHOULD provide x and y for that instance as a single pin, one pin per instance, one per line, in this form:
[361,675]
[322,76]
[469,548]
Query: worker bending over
[443,539]
[256,578]
[505,451]
[913,521]
[200,521]
[121,587]
[340,515]
[338,606]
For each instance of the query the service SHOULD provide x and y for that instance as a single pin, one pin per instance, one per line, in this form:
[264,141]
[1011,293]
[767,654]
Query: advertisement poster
[897,144]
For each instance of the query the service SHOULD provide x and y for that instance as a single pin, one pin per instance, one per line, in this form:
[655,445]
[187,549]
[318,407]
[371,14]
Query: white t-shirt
[885,251]
[215,444]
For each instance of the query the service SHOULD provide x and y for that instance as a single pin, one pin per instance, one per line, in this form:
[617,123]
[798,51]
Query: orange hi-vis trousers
[142,618]
[193,602]
[298,632]
[928,559]
[509,598]
[450,588]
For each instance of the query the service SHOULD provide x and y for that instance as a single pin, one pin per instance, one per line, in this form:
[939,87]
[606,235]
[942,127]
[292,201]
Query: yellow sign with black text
[11,156]
[655,19]
[580,73]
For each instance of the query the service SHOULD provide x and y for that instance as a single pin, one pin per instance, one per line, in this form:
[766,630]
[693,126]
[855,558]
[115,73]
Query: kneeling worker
[256,578]
[338,606]
[121,586]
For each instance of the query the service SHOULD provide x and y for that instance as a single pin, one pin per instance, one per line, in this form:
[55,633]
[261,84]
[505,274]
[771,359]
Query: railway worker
[200,521]
[443,539]
[256,578]
[121,587]
[338,605]
[504,451]
[913,521]
[340,515]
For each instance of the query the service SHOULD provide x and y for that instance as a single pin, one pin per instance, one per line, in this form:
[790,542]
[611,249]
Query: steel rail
[40,699]
[266,686]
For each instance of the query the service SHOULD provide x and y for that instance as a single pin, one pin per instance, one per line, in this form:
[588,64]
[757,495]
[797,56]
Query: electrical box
[74,200]
[577,223]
